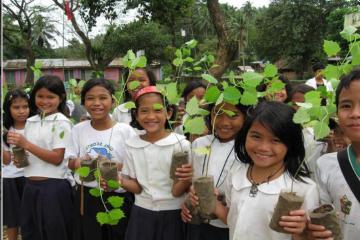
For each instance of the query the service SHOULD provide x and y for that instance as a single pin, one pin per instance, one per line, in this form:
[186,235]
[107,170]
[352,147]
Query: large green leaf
[331,48]
[249,98]
[355,53]
[348,32]
[192,107]
[83,171]
[313,97]
[331,72]
[95,192]
[171,93]
[301,116]
[115,201]
[321,130]
[232,95]
[252,79]
[116,214]
[129,105]
[195,125]
[134,85]
[102,218]
[270,70]
[212,94]
[192,43]
[209,78]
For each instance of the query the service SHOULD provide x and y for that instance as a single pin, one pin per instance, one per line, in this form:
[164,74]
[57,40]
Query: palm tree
[44,31]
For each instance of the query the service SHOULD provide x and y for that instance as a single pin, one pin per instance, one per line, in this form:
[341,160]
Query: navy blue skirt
[47,210]
[86,226]
[13,189]
[206,232]
[145,224]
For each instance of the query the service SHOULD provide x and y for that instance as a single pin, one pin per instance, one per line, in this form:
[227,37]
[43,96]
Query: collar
[137,142]
[240,181]
[50,118]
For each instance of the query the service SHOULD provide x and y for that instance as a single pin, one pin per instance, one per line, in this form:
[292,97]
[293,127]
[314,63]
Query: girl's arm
[54,156]
[6,157]
[184,175]
[295,224]
[130,184]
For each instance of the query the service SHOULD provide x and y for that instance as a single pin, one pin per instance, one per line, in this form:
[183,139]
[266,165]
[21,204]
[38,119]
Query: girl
[281,96]
[145,77]
[271,146]
[16,111]
[221,159]
[98,136]
[147,171]
[335,184]
[46,205]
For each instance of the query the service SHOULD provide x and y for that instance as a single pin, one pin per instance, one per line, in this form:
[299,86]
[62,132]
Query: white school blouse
[249,217]
[121,114]
[110,143]
[312,83]
[222,160]
[51,132]
[150,164]
[10,170]
[335,190]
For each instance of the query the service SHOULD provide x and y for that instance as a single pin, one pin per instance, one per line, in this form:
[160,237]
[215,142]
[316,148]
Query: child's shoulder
[327,162]
[203,141]
[58,117]
[124,128]
[82,125]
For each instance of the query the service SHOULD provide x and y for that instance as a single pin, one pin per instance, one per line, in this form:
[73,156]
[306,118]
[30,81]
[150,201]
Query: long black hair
[277,118]
[53,84]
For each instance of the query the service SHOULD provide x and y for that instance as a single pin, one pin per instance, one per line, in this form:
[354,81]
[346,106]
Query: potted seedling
[90,163]
[325,215]
[20,157]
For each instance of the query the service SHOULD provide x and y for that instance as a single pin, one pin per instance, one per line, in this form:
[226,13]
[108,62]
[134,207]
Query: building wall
[112,74]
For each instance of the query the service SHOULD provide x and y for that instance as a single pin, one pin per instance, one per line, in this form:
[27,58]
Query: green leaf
[102,218]
[252,79]
[211,59]
[249,98]
[275,86]
[131,55]
[195,125]
[38,65]
[134,85]
[177,62]
[232,95]
[331,72]
[301,116]
[192,107]
[331,48]
[81,83]
[212,94]
[355,53]
[158,106]
[188,59]
[321,130]
[197,68]
[97,174]
[62,134]
[115,201]
[220,99]
[192,43]
[129,105]
[72,82]
[304,105]
[171,93]
[348,32]
[224,84]
[270,71]
[113,184]
[209,78]
[138,62]
[313,97]
[95,192]
[116,214]
[83,171]
[202,150]
[178,53]
[232,77]
[228,112]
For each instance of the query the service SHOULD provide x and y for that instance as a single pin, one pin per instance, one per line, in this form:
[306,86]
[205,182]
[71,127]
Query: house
[14,71]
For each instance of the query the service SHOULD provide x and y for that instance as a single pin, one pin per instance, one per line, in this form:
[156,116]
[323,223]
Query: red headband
[145,90]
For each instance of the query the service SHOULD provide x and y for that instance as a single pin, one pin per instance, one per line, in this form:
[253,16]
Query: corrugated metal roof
[56,63]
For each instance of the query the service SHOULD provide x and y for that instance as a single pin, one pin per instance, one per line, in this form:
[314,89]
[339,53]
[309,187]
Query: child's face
[98,102]
[19,110]
[149,115]
[297,97]
[47,102]
[140,76]
[349,111]
[264,148]
[198,92]
[226,127]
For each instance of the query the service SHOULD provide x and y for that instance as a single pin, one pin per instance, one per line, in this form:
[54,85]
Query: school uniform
[47,205]
[121,114]
[335,190]
[249,216]
[13,187]
[221,159]
[109,143]
[312,83]
[156,213]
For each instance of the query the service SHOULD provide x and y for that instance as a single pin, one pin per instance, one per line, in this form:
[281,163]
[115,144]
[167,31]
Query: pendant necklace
[254,185]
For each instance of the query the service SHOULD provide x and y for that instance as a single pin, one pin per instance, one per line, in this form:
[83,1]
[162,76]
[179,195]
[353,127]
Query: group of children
[254,154]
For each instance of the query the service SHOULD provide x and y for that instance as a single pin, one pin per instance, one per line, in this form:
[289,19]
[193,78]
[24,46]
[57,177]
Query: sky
[123,19]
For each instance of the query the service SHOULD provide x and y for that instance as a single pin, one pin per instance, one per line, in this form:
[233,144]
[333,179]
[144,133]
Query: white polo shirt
[334,189]
[312,83]
[150,164]
[10,170]
[222,159]
[110,143]
[121,114]
[249,217]
[51,132]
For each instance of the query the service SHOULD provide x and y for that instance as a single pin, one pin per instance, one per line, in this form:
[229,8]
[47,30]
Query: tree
[26,23]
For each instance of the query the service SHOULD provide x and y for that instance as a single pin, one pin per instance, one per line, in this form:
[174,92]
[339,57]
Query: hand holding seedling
[184,173]
[319,232]
[295,222]
[185,213]
[16,139]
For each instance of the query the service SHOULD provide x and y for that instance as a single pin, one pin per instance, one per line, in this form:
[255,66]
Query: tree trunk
[226,49]
[30,61]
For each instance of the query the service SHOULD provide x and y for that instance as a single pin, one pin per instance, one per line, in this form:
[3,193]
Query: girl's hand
[184,173]
[295,223]
[319,232]
[185,213]
[192,196]
[104,185]
[16,139]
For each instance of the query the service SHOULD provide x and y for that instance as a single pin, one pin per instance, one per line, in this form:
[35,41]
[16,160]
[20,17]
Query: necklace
[254,185]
